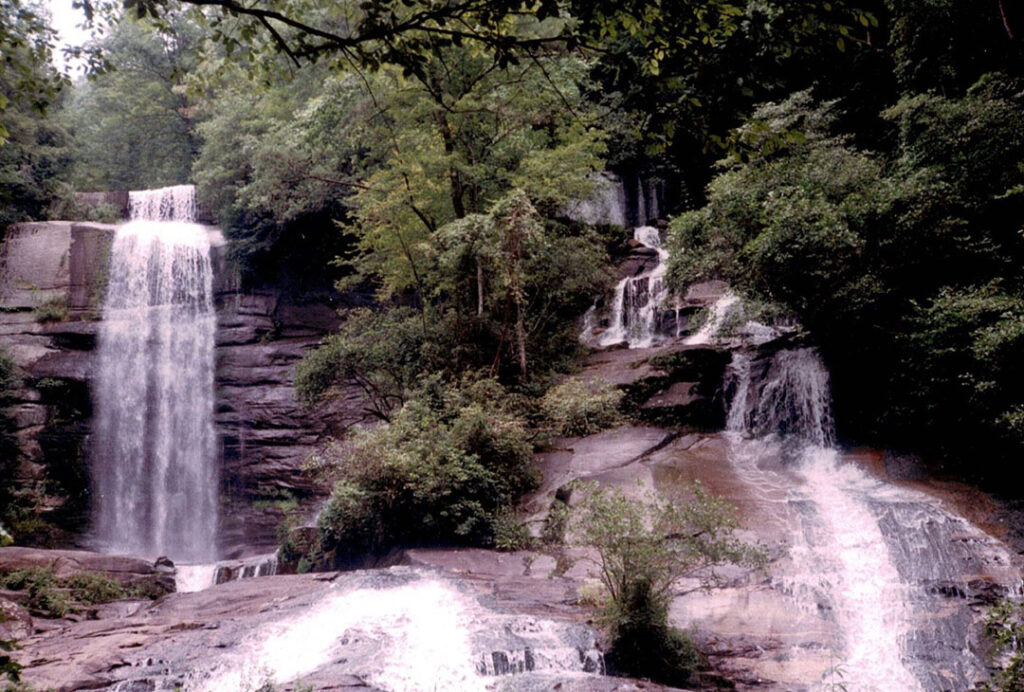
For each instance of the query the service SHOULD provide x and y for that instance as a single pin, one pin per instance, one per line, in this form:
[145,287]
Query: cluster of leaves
[644,548]
[917,251]
[578,407]
[506,288]
[1004,627]
[443,471]
[34,152]
[133,125]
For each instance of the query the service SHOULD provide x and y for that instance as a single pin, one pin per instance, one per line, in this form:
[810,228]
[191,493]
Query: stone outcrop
[187,639]
[151,577]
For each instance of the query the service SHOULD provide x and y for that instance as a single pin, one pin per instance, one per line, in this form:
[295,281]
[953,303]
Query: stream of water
[890,566]
[154,470]
[636,302]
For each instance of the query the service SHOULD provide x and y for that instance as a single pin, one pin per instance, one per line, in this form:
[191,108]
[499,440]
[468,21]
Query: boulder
[128,571]
[15,621]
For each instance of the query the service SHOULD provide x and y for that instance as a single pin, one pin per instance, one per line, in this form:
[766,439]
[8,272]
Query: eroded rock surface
[371,629]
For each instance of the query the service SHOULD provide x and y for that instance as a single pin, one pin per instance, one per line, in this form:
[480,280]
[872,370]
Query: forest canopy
[858,164]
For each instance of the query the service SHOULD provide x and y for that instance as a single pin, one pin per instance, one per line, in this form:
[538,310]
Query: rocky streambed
[470,619]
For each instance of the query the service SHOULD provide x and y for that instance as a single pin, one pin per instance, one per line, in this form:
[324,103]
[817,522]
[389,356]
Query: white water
[636,302]
[717,314]
[197,577]
[848,558]
[154,471]
[421,635]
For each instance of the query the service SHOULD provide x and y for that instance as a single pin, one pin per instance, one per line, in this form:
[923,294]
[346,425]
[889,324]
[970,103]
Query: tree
[134,124]
[450,463]
[34,152]
[644,548]
[26,42]
[916,251]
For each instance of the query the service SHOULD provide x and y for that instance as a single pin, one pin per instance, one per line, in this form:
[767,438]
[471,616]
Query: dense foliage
[444,470]
[34,147]
[578,407]
[916,251]
[133,125]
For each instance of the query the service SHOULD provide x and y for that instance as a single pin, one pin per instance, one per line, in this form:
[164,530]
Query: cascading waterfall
[850,556]
[637,299]
[866,552]
[154,470]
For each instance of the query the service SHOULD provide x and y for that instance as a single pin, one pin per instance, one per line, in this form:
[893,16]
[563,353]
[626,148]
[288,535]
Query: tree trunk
[1006,21]
[520,338]
[479,288]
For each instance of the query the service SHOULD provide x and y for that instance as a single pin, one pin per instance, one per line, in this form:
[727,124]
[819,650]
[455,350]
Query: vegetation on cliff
[914,248]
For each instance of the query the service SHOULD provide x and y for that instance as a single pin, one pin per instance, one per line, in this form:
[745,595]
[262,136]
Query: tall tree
[134,123]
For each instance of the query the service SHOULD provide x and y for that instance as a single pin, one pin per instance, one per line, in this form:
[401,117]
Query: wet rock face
[401,628]
[265,433]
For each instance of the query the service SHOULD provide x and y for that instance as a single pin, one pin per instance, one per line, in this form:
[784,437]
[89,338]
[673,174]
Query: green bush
[92,588]
[442,472]
[579,407]
[643,548]
[52,310]
[378,352]
[509,533]
[52,597]
[1004,628]
[45,595]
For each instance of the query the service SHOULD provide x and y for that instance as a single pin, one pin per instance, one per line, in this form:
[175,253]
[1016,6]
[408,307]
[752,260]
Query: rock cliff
[52,281]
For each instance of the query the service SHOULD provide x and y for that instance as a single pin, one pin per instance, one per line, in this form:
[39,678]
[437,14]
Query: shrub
[509,533]
[52,310]
[45,595]
[579,407]
[92,588]
[52,597]
[441,472]
[643,548]
[1004,628]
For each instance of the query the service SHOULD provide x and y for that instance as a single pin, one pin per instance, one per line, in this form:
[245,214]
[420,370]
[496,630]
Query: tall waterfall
[154,456]
[879,559]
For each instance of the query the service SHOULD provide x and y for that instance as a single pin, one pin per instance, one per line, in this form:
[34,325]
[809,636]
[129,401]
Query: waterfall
[637,301]
[154,471]
[865,552]
[717,314]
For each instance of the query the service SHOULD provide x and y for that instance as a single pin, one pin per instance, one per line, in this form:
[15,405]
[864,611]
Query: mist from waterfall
[154,456]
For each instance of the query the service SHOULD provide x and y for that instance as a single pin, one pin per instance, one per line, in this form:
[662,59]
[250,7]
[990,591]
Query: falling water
[155,478]
[866,552]
[717,314]
[637,300]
